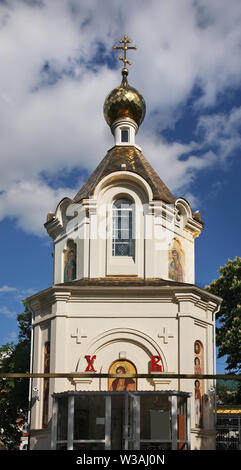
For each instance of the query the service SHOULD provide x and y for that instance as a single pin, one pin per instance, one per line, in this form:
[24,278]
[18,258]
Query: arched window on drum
[123,228]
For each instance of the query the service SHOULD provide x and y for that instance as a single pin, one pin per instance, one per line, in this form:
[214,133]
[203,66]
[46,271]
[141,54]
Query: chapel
[123,310]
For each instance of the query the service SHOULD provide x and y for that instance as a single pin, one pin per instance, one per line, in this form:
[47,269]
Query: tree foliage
[228,286]
[14,392]
[228,392]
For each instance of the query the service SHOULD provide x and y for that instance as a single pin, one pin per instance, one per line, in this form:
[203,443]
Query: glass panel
[124,135]
[89,446]
[155,417]
[89,417]
[61,446]
[62,419]
[155,446]
[123,249]
[117,421]
[122,203]
[122,235]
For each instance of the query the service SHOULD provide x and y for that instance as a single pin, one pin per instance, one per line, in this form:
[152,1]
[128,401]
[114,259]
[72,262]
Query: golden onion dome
[124,102]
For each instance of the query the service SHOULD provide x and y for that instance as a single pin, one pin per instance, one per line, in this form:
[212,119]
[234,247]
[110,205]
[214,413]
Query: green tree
[227,392]
[14,392]
[228,286]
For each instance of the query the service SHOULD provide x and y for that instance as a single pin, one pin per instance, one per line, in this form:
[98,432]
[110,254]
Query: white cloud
[8,313]
[175,172]
[18,290]
[12,337]
[51,98]
[193,200]
[222,131]
[14,294]
[6,289]
[23,293]
[29,202]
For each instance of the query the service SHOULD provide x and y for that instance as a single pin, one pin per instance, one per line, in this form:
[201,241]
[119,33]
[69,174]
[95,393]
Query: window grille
[122,226]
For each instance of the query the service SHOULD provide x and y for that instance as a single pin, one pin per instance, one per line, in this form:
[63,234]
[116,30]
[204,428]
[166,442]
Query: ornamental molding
[200,323]
[201,301]
[63,296]
[193,226]
[124,175]
[54,227]
[80,384]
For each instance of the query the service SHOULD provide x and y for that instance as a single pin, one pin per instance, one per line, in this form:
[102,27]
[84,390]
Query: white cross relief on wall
[78,336]
[165,336]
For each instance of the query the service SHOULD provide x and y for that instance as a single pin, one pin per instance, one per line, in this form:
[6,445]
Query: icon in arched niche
[198,404]
[176,261]
[122,367]
[70,262]
[198,385]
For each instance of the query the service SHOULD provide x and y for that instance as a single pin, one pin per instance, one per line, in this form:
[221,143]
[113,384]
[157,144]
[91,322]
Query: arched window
[122,228]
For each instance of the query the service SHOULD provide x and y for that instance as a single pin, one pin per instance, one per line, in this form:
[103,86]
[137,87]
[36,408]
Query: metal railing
[151,375]
[228,432]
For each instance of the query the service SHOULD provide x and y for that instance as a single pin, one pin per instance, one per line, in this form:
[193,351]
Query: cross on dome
[125,48]
[124,107]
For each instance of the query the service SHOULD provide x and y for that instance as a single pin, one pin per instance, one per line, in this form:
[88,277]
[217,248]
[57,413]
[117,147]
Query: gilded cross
[165,336]
[78,336]
[124,47]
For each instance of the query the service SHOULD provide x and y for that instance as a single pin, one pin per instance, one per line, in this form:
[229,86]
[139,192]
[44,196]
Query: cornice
[54,227]
[43,300]
[193,226]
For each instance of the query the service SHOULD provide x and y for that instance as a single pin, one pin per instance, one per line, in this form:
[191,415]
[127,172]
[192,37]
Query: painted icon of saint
[70,267]
[198,404]
[197,347]
[121,384]
[175,271]
[197,366]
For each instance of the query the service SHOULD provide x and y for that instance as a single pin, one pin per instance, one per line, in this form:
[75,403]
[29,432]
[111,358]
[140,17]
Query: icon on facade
[198,385]
[70,262]
[122,383]
[176,261]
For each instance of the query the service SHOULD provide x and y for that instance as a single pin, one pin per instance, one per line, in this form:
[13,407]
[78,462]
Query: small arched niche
[198,384]
[70,261]
[176,261]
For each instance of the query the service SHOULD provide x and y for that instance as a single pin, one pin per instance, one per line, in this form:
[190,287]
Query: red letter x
[154,366]
[90,363]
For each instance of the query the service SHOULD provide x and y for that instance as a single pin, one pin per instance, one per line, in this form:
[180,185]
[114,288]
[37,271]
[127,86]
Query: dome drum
[126,126]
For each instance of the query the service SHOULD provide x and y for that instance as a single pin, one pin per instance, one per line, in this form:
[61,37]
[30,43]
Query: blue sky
[57,66]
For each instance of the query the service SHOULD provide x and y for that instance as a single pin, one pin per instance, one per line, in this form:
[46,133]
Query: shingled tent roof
[135,162]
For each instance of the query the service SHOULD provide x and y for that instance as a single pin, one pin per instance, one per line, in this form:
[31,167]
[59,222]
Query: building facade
[123,303]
